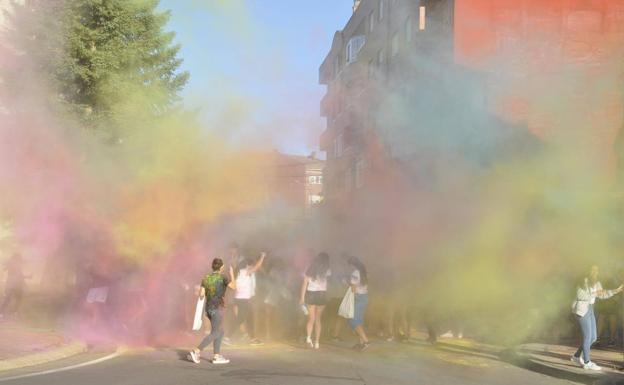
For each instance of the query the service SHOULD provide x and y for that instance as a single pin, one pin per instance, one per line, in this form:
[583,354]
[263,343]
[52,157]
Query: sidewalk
[554,360]
[22,346]
[548,359]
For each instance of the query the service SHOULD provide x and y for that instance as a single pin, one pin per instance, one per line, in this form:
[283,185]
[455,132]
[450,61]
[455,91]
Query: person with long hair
[359,286]
[588,289]
[314,296]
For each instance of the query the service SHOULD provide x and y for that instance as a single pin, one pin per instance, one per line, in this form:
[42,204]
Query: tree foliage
[105,60]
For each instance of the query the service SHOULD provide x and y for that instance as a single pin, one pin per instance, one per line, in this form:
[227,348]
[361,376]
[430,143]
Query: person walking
[588,289]
[314,296]
[213,288]
[359,285]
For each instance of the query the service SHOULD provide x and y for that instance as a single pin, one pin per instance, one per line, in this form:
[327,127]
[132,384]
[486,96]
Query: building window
[423,18]
[382,10]
[338,146]
[395,44]
[354,46]
[408,30]
[315,199]
[315,179]
[371,21]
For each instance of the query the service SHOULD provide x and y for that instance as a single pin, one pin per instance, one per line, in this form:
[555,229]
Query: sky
[254,66]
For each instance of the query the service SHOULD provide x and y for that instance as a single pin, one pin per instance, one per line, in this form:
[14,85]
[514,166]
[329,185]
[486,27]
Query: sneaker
[364,346]
[357,346]
[219,359]
[591,366]
[577,360]
[309,342]
[256,342]
[193,356]
[226,341]
[316,345]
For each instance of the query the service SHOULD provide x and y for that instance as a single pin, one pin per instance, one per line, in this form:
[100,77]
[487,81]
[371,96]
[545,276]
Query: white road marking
[66,368]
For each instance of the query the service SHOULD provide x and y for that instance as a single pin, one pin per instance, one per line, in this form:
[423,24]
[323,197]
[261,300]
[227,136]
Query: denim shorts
[361,301]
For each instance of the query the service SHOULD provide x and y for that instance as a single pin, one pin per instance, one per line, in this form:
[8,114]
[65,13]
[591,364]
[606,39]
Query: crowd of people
[321,295]
[252,299]
[317,293]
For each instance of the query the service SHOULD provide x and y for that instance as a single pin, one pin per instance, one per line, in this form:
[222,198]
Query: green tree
[108,61]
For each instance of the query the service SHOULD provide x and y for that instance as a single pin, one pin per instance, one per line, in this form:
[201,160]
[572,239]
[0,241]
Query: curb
[66,351]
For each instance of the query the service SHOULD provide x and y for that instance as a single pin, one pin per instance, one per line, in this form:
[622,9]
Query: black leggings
[245,314]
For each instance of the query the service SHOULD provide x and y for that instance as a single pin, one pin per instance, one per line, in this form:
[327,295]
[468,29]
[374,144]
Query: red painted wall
[554,66]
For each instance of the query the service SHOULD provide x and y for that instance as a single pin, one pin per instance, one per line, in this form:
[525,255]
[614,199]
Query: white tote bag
[199,314]
[347,306]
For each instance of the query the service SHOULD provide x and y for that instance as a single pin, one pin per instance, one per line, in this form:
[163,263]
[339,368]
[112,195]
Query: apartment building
[370,59]
[414,81]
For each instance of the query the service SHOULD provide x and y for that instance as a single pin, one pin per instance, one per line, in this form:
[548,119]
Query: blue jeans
[361,301]
[215,315]
[588,329]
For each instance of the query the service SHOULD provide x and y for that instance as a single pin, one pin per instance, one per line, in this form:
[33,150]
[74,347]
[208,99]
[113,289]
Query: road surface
[285,364]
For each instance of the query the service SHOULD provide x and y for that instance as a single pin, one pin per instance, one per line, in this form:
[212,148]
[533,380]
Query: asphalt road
[277,364]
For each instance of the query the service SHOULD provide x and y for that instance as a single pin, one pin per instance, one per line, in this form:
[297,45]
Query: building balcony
[354,77]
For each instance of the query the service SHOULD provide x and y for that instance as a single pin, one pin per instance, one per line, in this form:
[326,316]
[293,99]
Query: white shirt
[319,283]
[356,280]
[245,284]
[586,296]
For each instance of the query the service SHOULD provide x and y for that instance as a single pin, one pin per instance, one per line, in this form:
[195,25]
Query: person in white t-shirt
[245,291]
[314,296]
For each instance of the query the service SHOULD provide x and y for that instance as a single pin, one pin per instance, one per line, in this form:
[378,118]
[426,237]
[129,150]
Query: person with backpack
[213,288]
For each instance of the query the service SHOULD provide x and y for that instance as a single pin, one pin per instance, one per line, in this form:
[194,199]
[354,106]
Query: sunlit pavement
[384,363]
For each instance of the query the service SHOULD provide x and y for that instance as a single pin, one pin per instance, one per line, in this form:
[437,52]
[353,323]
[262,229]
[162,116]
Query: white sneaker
[194,356]
[219,359]
[316,345]
[309,342]
[591,366]
[448,334]
[577,360]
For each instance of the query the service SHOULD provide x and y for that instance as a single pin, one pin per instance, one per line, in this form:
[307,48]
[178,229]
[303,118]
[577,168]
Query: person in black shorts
[314,296]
